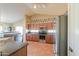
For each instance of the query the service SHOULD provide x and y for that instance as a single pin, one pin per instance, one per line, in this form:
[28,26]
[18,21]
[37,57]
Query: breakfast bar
[10,47]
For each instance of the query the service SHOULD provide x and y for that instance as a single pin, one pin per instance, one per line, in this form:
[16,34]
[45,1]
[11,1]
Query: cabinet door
[49,25]
[31,26]
[37,26]
[31,38]
[36,37]
[50,39]
[27,38]
[28,26]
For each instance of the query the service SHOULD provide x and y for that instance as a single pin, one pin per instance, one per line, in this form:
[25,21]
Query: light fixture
[35,6]
[40,5]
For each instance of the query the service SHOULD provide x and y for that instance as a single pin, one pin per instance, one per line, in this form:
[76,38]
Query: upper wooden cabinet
[37,26]
[49,25]
[35,21]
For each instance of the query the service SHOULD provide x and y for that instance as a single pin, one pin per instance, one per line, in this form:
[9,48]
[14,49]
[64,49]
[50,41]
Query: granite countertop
[38,33]
[31,33]
[10,47]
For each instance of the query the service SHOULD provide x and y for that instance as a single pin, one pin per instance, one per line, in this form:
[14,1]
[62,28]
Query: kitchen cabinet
[35,37]
[27,37]
[28,26]
[49,25]
[32,37]
[50,39]
[36,26]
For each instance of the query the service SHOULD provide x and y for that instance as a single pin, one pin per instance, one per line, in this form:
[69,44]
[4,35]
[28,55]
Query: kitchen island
[10,47]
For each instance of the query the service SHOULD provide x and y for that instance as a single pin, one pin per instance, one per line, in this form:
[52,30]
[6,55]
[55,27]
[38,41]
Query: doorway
[61,37]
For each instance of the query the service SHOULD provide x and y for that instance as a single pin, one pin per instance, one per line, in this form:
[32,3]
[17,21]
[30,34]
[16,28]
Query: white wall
[73,29]
[18,23]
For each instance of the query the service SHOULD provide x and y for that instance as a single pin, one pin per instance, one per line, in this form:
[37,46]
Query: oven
[42,33]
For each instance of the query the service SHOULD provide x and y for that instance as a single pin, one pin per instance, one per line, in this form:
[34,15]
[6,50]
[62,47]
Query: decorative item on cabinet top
[43,20]
[40,19]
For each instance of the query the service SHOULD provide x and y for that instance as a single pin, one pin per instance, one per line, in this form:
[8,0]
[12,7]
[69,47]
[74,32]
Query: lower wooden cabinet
[20,52]
[50,39]
[35,38]
[32,37]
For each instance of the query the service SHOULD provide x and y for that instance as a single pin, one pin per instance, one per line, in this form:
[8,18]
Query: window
[19,29]
[1,33]
[0,28]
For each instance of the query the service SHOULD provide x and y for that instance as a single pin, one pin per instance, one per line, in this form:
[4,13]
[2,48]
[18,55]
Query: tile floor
[39,49]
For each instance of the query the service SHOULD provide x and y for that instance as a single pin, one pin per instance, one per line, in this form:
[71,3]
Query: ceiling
[49,8]
[12,12]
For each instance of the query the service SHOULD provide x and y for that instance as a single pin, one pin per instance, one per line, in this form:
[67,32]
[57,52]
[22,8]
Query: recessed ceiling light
[43,6]
[35,6]
[39,6]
